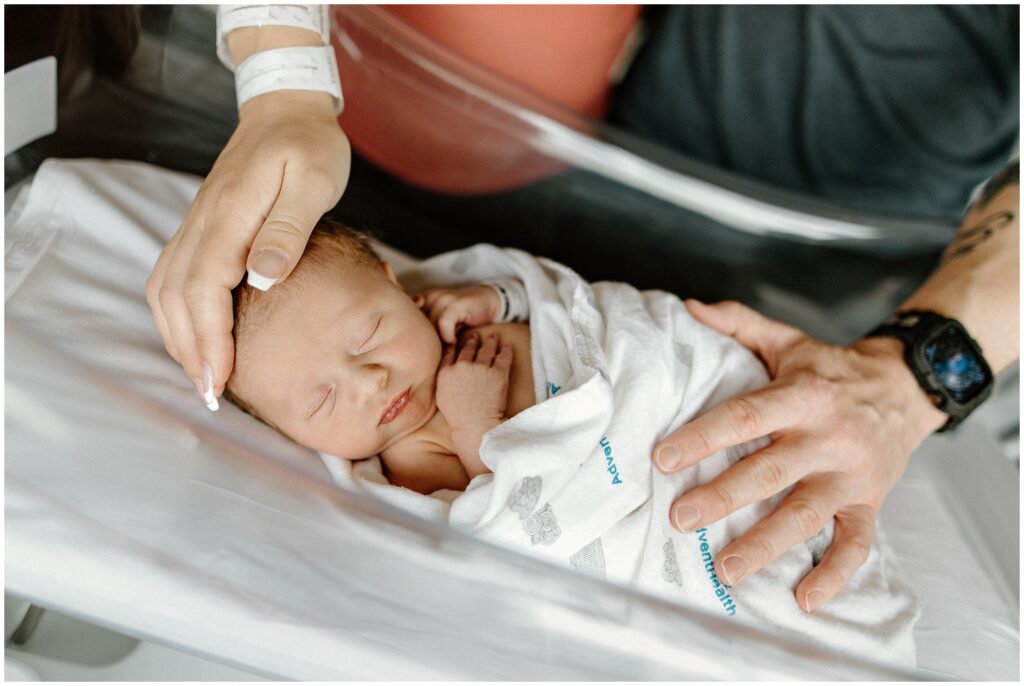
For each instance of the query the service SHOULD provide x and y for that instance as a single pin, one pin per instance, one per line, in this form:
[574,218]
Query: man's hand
[286,164]
[843,423]
[472,394]
[449,309]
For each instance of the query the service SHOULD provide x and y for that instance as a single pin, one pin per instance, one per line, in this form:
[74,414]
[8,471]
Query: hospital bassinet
[127,504]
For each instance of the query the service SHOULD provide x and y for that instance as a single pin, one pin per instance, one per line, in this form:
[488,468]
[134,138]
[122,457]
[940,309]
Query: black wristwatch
[946,361]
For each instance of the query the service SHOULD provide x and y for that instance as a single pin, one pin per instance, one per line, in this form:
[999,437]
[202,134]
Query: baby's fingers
[447,324]
[503,360]
[448,356]
[487,351]
[469,346]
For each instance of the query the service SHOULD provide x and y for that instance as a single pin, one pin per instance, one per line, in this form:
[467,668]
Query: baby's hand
[451,308]
[472,388]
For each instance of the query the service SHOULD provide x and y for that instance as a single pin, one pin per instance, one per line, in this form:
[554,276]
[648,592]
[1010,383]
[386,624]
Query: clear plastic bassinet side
[208,533]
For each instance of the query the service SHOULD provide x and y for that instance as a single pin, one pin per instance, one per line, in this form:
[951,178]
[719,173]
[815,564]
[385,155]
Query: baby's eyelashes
[319,403]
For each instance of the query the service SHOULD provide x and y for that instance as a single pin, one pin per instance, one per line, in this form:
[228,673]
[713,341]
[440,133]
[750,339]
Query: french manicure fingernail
[267,268]
[668,457]
[686,518]
[814,598]
[734,567]
[207,390]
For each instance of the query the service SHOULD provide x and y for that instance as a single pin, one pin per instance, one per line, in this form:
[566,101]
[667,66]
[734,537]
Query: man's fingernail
[686,518]
[267,268]
[668,457]
[814,598]
[207,390]
[734,568]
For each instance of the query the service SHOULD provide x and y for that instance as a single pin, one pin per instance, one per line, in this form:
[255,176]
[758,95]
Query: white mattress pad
[129,504]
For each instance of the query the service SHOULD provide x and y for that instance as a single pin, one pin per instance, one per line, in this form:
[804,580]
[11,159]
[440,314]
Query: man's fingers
[756,477]
[851,545]
[799,517]
[763,336]
[280,241]
[736,420]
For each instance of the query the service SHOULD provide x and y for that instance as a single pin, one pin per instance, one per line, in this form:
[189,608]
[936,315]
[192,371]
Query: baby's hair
[330,245]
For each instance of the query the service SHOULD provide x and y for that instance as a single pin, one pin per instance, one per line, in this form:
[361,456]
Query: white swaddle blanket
[615,370]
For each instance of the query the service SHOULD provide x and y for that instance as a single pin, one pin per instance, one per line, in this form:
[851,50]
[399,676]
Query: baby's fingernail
[207,389]
[668,457]
[686,518]
[267,268]
[734,567]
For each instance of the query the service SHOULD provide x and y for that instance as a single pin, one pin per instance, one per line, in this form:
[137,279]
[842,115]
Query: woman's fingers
[800,516]
[851,545]
[304,196]
[756,477]
[736,420]
[153,286]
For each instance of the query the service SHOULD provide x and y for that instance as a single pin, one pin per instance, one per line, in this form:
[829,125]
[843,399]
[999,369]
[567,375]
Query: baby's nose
[376,378]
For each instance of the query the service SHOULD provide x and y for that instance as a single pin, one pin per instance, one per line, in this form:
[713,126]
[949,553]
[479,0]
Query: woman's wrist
[289,102]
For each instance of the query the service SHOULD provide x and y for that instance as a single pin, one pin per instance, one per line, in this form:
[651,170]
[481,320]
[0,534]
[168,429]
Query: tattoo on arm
[971,237]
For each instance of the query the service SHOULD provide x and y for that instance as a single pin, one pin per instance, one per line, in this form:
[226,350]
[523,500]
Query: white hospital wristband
[515,307]
[230,17]
[301,68]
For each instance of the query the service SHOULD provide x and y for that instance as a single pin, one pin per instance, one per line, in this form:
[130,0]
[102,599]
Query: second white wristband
[300,68]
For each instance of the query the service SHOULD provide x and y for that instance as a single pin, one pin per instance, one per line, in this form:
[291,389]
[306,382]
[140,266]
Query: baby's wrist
[513,303]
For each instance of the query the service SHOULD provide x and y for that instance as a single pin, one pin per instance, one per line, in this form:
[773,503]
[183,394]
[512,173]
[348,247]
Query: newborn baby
[536,438]
[341,359]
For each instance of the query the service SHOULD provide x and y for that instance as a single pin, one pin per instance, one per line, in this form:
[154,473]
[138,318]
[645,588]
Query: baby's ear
[390,273]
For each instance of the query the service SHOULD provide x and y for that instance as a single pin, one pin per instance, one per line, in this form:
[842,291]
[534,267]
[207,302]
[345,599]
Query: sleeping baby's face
[342,360]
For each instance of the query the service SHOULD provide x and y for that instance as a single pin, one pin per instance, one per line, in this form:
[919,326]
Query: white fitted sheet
[128,504]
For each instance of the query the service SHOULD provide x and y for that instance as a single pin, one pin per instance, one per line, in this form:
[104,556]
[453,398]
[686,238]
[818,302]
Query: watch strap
[906,326]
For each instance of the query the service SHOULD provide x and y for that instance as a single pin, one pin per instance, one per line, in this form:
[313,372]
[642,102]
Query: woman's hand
[449,309]
[286,164]
[843,423]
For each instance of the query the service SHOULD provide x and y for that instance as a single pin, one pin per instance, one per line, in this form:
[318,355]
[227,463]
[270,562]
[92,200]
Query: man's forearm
[977,281]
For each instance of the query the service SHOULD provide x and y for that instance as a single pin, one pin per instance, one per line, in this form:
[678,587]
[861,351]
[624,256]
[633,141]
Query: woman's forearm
[248,40]
[977,281]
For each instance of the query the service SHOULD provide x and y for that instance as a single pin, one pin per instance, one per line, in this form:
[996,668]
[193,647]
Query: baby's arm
[497,302]
[472,394]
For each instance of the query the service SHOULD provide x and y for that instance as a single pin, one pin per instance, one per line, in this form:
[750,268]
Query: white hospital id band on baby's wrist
[230,17]
[302,68]
[515,307]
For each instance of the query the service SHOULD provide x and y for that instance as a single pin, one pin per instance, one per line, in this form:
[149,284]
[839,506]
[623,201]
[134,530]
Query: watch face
[956,364]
